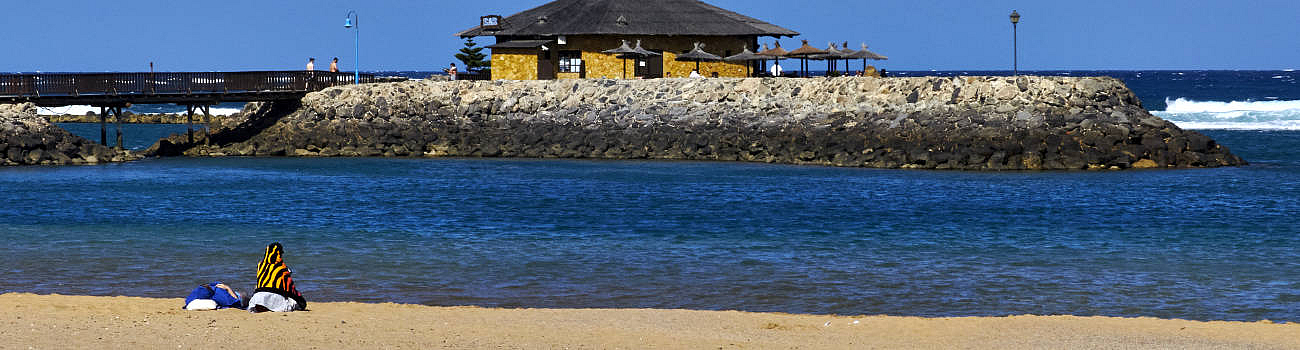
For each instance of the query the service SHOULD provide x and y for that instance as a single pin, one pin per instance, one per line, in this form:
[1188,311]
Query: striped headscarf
[274,276]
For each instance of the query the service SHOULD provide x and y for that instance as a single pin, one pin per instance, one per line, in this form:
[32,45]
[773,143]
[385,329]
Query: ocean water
[1205,244]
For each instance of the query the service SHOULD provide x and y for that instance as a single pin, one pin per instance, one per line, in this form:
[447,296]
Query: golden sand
[58,321]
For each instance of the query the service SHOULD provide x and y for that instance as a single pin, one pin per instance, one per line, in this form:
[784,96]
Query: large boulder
[29,139]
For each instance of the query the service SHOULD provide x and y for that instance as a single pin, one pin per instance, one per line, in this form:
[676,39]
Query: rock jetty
[973,123]
[29,139]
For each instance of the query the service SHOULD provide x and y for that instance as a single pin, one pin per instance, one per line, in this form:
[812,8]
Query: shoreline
[91,321]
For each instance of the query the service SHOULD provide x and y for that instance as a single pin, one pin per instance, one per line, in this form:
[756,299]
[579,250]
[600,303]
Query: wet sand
[57,321]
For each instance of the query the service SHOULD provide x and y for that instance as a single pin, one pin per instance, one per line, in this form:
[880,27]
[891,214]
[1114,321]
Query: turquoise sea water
[1198,244]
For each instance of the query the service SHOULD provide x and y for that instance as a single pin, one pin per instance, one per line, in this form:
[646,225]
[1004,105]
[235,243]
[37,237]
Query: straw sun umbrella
[832,54]
[775,53]
[623,51]
[643,52]
[746,56]
[865,55]
[805,52]
[697,54]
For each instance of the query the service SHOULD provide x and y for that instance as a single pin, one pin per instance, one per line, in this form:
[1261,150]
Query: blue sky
[125,35]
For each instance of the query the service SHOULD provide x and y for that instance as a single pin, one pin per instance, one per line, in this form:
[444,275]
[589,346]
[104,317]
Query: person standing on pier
[334,65]
[451,71]
[311,64]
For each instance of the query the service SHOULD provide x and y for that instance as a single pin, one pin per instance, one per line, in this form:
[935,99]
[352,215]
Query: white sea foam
[82,110]
[1245,115]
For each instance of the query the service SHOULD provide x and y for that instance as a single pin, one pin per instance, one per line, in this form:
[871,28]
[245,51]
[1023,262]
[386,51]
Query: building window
[570,61]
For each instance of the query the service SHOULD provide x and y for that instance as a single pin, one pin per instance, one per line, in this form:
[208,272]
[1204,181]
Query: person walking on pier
[311,64]
[334,65]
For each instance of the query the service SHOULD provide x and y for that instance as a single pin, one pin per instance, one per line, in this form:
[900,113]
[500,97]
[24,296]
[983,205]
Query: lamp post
[1015,56]
[352,21]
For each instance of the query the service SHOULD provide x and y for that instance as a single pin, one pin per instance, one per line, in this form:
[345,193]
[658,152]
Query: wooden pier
[196,90]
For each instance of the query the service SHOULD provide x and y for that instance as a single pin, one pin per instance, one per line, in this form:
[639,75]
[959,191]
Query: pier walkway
[198,91]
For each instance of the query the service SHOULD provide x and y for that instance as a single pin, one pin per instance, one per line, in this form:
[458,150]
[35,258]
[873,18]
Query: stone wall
[521,64]
[976,123]
[514,64]
[29,139]
[610,66]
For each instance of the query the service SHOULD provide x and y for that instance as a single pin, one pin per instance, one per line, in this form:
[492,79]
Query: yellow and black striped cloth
[275,277]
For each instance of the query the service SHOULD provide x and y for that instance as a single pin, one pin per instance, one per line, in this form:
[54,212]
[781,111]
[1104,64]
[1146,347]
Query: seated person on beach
[215,295]
[696,74]
[275,289]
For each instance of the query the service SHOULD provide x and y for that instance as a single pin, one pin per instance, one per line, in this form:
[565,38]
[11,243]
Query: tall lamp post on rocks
[1015,55]
[352,21]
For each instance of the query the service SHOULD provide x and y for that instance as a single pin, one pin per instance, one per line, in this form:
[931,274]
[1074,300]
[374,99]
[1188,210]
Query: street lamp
[352,21]
[1015,56]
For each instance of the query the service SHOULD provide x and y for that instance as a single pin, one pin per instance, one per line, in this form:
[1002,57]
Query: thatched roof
[629,17]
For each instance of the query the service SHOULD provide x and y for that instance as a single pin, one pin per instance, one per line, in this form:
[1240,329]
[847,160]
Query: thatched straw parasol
[805,52]
[776,52]
[748,57]
[643,52]
[623,51]
[865,55]
[832,54]
[697,54]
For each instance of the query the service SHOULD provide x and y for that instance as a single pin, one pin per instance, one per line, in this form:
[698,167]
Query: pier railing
[170,83]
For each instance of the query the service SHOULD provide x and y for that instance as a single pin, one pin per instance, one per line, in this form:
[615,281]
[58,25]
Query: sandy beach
[59,321]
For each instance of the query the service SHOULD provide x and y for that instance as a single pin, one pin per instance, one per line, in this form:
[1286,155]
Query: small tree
[472,56]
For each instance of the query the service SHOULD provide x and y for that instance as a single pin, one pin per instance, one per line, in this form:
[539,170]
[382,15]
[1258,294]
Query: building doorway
[546,65]
[650,67]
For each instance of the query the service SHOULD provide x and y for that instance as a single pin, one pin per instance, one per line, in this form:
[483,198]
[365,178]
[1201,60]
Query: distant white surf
[1241,115]
[82,110]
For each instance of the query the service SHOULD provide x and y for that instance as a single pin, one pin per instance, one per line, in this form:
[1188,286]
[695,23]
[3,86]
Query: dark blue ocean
[1204,244]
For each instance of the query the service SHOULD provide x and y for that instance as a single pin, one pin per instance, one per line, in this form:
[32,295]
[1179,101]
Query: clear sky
[125,35]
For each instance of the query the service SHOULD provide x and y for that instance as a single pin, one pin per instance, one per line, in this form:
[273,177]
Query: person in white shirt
[451,71]
[776,69]
[696,74]
[311,64]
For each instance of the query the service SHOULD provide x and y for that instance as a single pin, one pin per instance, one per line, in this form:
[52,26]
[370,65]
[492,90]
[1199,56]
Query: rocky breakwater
[976,123]
[29,139]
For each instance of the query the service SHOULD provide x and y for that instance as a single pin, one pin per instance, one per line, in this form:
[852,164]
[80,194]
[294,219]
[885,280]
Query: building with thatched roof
[564,39]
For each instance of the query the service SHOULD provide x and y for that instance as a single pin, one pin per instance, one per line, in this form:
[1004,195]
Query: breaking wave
[1242,115]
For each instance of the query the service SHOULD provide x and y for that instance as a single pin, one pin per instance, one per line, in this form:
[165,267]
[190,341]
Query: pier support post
[103,126]
[189,122]
[117,111]
[207,124]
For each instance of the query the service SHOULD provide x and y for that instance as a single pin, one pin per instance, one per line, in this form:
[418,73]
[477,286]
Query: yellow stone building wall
[514,64]
[521,64]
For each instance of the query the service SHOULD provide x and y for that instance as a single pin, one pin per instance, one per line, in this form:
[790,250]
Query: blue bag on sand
[223,299]
[210,291]
[200,292]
